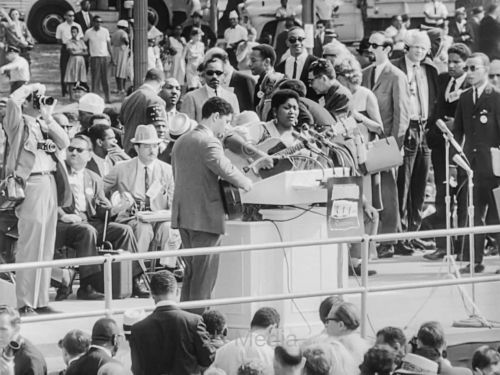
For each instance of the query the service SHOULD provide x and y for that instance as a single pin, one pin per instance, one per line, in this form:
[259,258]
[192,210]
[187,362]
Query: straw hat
[179,125]
[146,134]
[92,103]
[130,317]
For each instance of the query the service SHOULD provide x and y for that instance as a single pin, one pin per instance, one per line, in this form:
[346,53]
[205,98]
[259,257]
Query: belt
[43,173]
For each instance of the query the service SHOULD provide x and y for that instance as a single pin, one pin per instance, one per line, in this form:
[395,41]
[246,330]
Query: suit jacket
[134,112]
[474,33]
[29,361]
[20,131]
[318,46]
[443,108]
[304,75]
[92,164]
[393,96]
[479,125]
[432,81]
[79,19]
[193,101]
[337,100]
[459,37]
[170,341]
[89,363]
[122,178]
[198,161]
[244,87]
[489,37]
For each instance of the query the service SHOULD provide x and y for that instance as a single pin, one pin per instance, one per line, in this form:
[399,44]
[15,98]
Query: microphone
[462,164]
[449,135]
[307,143]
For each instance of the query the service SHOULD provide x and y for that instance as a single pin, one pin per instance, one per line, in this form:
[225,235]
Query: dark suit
[89,363]
[393,97]
[281,46]
[412,175]
[436,142]
[198,161]
[318,45]
[304,75]
[29,361]
[244,87]
[80,19]
[474,33]
[170,341]
[479,125]
[459,36]
[489,37]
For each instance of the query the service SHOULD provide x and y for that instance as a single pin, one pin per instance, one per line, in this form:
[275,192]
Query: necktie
[372,80]
[452,89]
[146,188]
[417,89]
[294,69]
[216,94]
[476,96]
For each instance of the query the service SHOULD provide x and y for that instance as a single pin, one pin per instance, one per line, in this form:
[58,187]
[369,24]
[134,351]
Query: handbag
[12,187]
[382,154]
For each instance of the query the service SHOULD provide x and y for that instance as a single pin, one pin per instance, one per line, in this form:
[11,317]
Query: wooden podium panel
[279,271]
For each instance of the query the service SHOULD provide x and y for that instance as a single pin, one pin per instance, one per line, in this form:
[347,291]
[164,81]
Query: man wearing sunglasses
[477,120]
[296,66]
[494,74]
[390,86]
[213,75]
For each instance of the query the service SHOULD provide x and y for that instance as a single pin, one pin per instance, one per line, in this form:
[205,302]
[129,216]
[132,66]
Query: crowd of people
[146,177]
[174,341]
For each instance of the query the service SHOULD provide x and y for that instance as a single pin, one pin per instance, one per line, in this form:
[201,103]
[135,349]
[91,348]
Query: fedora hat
[179,125]
[130,317]
[92,103]
[417,365]
[146,134]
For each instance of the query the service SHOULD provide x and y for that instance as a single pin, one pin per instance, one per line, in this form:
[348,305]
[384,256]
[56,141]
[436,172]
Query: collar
[105,350]
[409,63]
[459,81]
[74,359]
[211,91]
[302,56]
[382,66]
[481,88]
[149,86]
[77,173]
[166,302]
[206,128]
[141,165]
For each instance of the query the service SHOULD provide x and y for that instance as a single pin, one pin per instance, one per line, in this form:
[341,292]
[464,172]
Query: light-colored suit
[193,101]
[393,96]
[198,161]
[122,178]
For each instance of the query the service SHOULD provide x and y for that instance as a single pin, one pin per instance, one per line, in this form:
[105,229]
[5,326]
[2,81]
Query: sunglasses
[374,45]
[472,68]
[214,72]
[494,75]
[78,149]
[294,40]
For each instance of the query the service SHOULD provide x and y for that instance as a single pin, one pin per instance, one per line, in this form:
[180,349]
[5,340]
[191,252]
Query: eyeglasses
[329,55]
[294,40]
[491,76]
[78,149]
[331,319]
[374,45]
[214,72]
[472,68]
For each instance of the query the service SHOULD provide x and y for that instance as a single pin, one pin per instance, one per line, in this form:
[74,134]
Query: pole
[365,253]
[447,199]
[140,41]
[308,22]
[214,15]
[471,236]
[108,285]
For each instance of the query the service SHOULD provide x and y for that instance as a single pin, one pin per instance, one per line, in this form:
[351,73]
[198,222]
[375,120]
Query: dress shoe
[27,311]
[139,290]
[436,255]
[63,293]
[65,287]
[357,271]
[46,310]
[423,245]
[478,268]
[88,293]
[385,251]
[404,248]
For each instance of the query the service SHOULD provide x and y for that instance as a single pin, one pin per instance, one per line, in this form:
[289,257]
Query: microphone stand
[447,199]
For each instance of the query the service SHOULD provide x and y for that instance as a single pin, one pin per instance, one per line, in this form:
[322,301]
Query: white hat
[179,124]
[122,23]
[130,317]
[146,134]
[417,365]
[92,103]
[246,118]
[233,14]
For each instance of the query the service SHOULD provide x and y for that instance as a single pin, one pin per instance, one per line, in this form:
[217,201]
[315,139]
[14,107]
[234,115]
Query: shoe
[139,290]
[357,271]
[436,255]
[27,311]
[88,293]
[404,248]
[423,245]
[65,287]
[46,310]
[385,251]
[497,272]
[63,293]
[478,268]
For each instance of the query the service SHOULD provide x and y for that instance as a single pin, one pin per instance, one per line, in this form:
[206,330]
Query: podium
[282,271]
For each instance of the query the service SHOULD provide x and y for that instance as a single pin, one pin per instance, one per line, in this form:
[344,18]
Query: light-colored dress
[76,70]
[120,52]
[177,65]
[194,52]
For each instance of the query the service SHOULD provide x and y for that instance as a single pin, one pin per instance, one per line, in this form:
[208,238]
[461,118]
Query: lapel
[88,186]
[484,97]
[381,78]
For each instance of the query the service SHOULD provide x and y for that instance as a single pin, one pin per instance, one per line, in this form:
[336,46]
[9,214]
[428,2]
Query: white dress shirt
[435,9]
[301,60]
[419,90]
[235,35]
[77,183]
[63,31]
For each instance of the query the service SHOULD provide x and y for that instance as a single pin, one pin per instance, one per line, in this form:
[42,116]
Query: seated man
[81,226]
[150,183]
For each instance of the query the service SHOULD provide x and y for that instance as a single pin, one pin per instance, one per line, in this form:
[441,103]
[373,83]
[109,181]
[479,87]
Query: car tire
[44,18]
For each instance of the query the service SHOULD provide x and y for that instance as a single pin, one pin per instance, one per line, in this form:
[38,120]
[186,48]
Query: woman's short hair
[485,356]
[348,314]
[350,69]
[280,97]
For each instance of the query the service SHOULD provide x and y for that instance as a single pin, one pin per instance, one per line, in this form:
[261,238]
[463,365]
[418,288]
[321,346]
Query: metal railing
[365,289]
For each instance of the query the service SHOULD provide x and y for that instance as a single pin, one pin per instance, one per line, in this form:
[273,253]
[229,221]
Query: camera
[48,147]
[39,100]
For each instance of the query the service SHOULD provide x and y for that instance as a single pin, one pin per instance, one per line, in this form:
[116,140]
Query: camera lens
[47,100]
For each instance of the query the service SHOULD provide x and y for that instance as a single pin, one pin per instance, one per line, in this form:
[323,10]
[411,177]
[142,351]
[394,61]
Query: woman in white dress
[175,66]
[194,53]
[120,51]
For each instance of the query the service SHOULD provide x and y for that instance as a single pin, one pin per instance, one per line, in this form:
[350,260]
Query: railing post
[365,251]
[108,284]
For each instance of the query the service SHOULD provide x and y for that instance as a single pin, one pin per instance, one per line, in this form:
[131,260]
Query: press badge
[483,119]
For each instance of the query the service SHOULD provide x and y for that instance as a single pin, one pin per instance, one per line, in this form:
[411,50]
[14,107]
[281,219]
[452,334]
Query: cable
[306,210]
[288,275]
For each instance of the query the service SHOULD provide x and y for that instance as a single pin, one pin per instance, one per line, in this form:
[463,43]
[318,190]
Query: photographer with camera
[17,67]
[18,355]
[33,138]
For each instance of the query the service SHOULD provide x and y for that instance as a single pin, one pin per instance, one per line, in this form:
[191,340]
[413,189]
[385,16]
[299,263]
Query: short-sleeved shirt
[98,42]
[63,31]
[235,35]
[435,9]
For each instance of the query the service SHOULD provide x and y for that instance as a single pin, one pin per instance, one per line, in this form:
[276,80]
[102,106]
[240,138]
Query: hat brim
[146,142]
